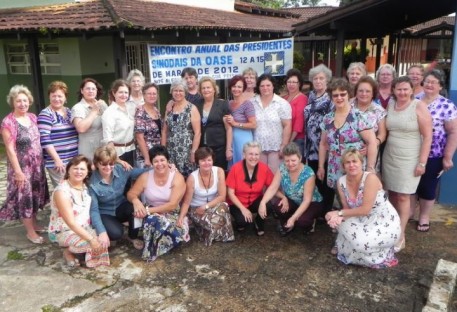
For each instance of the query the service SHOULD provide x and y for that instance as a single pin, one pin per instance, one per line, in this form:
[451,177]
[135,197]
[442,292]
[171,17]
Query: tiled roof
[433,24]
[94,15]
[86,15]
[161,15]
[306,13]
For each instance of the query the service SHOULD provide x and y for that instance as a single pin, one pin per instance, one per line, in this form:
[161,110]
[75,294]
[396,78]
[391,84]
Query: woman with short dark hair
[274,121]
[86,116]
[163,189]
[444,144]
[242,118]
[70,224]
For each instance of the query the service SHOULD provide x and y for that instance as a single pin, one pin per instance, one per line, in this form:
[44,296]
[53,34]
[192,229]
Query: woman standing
[58,135]
[242,118]
[163,190]
[27,189]
[365,90]
[342,129]
[444,144]
[298,101]
[246,183]
[385,75]
[274,125]
[371,225]
[250,76]
[300,204]
[136,81]
[356,70]
[148,125]
[319,104]
[118,122]
[70,224]
[409,125]
[216,132]
[205,196]
[181,130]
[416,74]
[87,117]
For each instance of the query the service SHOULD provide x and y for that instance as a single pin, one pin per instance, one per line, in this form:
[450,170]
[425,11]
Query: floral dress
[179,139]
[151,129]
[160,232]
[61,233]
[368,240]
[340,139]
[34,195]
[374,114]
[314,112]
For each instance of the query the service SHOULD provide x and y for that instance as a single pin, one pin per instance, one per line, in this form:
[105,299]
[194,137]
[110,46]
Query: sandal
[283,231]
[137,243]
[38,240]
[425,227]
[259,229]
[70,260]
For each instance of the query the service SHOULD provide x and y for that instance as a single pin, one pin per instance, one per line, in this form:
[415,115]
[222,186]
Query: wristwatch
[240,125]
[207,206]
[340,213]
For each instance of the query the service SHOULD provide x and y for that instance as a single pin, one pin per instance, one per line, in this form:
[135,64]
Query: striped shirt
[57,131]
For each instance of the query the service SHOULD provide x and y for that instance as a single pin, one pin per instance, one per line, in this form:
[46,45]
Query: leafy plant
[14,255]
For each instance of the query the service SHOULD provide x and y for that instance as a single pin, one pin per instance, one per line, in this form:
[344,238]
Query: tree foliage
[278,4]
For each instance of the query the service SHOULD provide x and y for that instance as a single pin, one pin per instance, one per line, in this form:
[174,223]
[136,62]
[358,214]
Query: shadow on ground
[270,273]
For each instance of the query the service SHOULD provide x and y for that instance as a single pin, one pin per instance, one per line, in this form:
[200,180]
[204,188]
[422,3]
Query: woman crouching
[69,224]
[205,195]
[163,189]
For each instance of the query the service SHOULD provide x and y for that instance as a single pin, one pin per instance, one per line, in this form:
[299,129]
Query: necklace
[161,181]
[204,184]
[76,188]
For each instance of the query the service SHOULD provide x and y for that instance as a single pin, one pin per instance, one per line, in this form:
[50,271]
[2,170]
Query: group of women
[349,134]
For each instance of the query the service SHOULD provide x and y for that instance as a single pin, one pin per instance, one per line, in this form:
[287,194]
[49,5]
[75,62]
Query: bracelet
[147,210]
[229,150]
[421,165]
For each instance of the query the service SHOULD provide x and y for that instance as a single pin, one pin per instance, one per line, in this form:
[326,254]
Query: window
[19,59]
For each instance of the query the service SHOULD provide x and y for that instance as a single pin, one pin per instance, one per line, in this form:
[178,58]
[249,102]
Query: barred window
[18,58]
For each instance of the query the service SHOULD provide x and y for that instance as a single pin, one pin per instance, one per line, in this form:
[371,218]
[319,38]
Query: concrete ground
[270,273]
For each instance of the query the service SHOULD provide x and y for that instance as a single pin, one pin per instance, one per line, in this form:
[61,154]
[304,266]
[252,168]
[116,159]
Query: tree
[279,4]
[344,2]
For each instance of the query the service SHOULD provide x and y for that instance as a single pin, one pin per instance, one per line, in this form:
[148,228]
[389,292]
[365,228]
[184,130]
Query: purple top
[442,110]
[243,112]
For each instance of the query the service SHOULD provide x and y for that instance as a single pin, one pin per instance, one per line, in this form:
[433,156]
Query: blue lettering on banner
[220,61]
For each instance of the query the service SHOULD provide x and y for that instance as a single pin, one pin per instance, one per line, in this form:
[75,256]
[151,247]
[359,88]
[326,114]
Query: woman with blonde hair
[27,189]
[368,225]
[216,132]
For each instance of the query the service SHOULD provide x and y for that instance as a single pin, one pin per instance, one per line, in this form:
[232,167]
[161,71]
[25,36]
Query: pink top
[298,104]
[155,194]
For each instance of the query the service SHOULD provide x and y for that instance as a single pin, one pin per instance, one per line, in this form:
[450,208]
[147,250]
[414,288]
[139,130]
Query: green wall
[80,58]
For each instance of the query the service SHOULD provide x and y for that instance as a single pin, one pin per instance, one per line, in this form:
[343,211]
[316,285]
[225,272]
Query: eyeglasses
[108,164]
[336,95]
[431,82]
[292,82]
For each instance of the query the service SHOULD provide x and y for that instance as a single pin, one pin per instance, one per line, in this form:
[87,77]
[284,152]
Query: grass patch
[50,308]
[14,255]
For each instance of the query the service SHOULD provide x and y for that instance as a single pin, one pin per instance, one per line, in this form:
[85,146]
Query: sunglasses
[108,164]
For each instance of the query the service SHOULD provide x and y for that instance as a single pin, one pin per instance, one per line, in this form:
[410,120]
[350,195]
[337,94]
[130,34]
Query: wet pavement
[270,273]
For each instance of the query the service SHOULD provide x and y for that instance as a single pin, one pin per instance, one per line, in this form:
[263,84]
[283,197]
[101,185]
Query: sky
[330,2]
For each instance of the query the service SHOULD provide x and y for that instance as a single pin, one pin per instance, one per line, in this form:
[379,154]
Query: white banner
[220,61]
